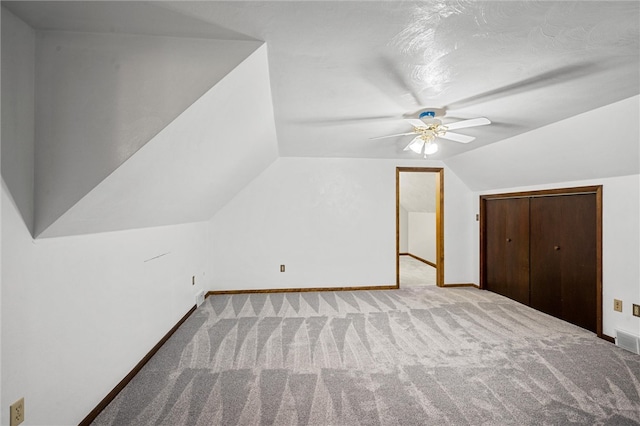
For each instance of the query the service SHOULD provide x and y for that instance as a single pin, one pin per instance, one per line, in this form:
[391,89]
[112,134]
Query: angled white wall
[18,112]
[2,413]
[78,313]
[331,222]
[599,143]
[101,97]
[193,166]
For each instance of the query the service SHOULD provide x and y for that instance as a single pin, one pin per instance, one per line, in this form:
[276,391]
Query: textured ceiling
[344,72]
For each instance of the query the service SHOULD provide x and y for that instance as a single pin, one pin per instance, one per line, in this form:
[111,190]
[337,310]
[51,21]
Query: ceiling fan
[427,128]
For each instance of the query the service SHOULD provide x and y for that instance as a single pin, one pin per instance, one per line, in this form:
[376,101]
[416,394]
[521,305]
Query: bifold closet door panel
[507,247]
[546,226]
[563,257]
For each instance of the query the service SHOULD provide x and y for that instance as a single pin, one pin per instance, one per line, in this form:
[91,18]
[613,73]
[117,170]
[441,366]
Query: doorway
[419,226]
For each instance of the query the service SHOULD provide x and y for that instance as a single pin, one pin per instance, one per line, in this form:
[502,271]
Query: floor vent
[199,298]
[628,341]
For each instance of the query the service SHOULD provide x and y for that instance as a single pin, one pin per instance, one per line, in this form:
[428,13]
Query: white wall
[404,230]
[2,415]
[422,235]
[78,313]
[17,141]
[460,228]
[330,221]
[620,246]
[18,130]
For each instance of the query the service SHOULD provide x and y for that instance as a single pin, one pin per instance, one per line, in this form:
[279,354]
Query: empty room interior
[317,213]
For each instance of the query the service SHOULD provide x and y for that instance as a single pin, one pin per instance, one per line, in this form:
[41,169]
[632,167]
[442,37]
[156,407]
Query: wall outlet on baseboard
[636,310]
[16,412]
[617,305]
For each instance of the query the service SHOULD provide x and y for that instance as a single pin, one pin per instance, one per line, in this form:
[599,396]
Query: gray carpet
[423,356]
[414,273]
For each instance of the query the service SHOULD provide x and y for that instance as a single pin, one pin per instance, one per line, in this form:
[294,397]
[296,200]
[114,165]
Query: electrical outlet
[617,305]
[16,412]
[636,310]
[281,268]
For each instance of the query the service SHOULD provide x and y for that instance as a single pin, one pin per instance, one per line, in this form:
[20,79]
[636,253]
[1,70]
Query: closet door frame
[597,190]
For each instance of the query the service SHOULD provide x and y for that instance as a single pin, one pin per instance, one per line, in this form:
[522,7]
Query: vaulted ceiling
[337,75]
[344,72]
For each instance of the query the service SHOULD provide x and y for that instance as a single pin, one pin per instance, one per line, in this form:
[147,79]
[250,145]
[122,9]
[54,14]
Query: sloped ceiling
[601,143]
[193,166]
[114,79]
[101,97]
[113,17]
[339,73]
[344,72]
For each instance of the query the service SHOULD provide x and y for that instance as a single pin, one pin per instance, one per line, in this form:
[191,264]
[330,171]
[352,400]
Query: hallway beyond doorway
[414,273]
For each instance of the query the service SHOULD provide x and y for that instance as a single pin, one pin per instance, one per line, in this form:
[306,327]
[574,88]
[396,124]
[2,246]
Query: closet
[544,249]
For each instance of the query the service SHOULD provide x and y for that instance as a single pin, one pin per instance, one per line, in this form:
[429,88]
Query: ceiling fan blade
[345,120]
[393,136]
[481,121]
[415,122]
[392,79]
[457,137]
[546,79]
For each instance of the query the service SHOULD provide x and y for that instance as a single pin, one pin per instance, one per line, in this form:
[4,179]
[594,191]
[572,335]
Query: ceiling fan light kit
[423,144]
[427,128]
[430,148]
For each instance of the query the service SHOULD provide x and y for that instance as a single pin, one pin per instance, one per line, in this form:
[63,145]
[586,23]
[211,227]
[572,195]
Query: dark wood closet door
[563,257]
[507,247]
